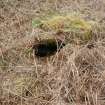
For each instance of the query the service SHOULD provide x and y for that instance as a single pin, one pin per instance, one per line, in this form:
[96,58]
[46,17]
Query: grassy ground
[74,76]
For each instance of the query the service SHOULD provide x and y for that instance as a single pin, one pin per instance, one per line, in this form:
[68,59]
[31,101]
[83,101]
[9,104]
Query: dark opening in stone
[48,47]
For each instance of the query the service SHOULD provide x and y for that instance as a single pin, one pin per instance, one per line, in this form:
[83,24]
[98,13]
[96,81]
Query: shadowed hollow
[48,47]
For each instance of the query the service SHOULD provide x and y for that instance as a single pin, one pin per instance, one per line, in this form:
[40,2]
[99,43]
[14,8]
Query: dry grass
[74,76]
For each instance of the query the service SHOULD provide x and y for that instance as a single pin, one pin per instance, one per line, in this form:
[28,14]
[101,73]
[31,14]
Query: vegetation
[73,75]
[72,23]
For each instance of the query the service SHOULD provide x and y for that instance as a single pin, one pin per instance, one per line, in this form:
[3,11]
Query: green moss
[36,23]
[17,84]
[79,27]
[3,64]
[20,85]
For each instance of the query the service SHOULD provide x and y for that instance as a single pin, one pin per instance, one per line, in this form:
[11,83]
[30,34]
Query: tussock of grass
[66,23]
[74,24]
